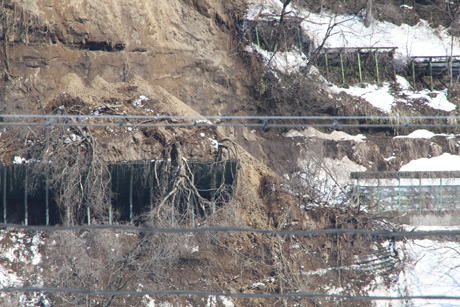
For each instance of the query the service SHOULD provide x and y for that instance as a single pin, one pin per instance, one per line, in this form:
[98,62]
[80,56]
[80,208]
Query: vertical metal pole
[300,41]
[110,196]
[327,65]
[213,190]
[341,65]
[359,68]
[394,68]
[257,38]
[431,74]
[4,194]
[26,215]
[399,193]
[440,192]
[377,67]
[131,196]
[110,214]
[173,219]
[151,197]
[88,213]
[47,214]
[192,203]
[413,73]
[420,196]
[357,191]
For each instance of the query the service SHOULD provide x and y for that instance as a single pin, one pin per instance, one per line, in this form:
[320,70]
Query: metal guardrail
[407,191]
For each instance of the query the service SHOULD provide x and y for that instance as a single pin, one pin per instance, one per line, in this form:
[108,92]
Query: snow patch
[417,134]
[445,162]
[335,135]
[285,62]
[349,31]
[379,97]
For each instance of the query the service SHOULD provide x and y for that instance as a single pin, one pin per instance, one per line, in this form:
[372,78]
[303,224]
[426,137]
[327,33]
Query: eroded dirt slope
[180,58]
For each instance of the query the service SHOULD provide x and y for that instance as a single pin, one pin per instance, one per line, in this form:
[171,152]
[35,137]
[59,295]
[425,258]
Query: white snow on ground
[423,134]
[382,98]
[444,162]
[438,102]
[349,31]
[19,257]
[431,268]
[335,135]
[286,62]
[378,96]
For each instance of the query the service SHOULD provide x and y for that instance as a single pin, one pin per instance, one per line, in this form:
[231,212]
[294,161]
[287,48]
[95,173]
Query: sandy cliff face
[183,46]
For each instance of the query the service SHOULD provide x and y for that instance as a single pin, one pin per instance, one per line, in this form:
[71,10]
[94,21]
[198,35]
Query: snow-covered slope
[349,31]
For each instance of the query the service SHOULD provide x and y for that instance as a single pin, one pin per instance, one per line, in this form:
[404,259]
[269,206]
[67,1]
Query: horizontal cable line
[214,117]
[378,233]
[226,121]
[226,294]
[253,125]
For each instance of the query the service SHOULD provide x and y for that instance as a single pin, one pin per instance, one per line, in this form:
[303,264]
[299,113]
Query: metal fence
[407,191]
[133,190]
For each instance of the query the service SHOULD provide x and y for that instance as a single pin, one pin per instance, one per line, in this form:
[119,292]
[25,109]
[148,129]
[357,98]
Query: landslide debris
[177,58]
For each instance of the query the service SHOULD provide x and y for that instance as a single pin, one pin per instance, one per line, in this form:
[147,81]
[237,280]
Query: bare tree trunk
[369,18]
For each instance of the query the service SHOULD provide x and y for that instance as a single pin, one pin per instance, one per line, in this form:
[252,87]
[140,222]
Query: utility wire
[249,125]
[214,117]
[139,121]
[376,233]
[226,294]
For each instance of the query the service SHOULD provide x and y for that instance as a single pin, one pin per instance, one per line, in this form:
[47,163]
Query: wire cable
[226,294]
[139,121]
[376,233]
